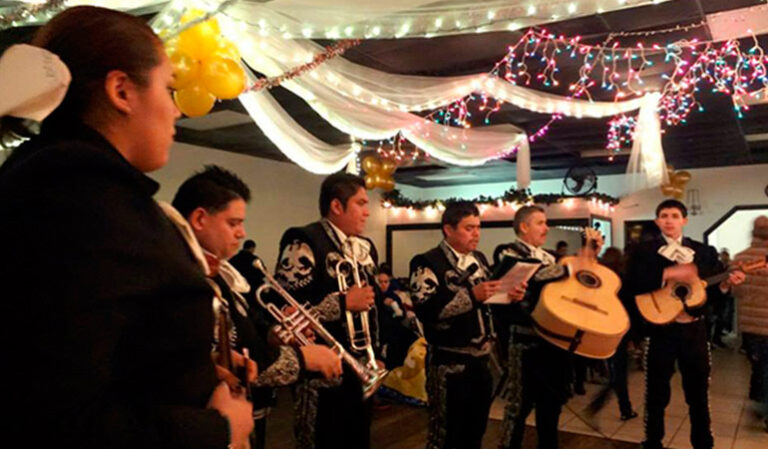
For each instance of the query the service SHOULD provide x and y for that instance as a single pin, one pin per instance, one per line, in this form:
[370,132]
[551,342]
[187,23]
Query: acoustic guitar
[582,313]
[663,305]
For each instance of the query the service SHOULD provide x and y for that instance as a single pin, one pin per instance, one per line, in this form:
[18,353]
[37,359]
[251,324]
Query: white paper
[519,273]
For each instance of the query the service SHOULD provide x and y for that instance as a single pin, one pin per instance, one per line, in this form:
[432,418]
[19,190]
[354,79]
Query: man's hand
[321,359]
[518,293]
[485,290]
[687,272]
[359,299]
[233,382]
[238,412]
[734,278]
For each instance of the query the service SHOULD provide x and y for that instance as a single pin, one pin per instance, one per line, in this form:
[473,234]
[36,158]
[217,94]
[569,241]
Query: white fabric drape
[370,104]
[647,166]
[338,19]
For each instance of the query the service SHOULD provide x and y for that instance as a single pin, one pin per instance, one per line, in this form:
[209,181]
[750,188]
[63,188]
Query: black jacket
[451,317]
[307,269]
[107,315]
[646,266]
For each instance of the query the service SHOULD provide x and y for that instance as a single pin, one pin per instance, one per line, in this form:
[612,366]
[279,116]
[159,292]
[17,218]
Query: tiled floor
[734,423]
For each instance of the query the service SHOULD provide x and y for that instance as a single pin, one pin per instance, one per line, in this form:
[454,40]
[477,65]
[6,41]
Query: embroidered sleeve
[283,371]
[423,285]
[329,308]
[461,303]
[550,273]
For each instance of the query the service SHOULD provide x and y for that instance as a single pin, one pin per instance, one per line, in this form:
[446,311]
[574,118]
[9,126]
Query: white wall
[283,194]
[719,190]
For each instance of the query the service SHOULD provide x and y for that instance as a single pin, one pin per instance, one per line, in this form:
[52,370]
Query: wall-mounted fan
[580,180]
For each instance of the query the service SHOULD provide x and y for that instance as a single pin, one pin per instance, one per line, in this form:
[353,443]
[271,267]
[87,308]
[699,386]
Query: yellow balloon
[388,167]
[667,189]
[194,101]
[223,77]
[683,176]
[678,192]
[185,70]
[369,183]
[371,165]
[200,41]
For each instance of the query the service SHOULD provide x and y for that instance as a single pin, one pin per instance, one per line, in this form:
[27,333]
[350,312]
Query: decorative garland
[512,196]
[29,13]
[330,52]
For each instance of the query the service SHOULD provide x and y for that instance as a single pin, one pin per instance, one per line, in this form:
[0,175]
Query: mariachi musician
[539,373]
[449,285]
[312,260]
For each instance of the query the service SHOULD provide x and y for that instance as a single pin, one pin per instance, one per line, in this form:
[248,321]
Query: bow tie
[677,253]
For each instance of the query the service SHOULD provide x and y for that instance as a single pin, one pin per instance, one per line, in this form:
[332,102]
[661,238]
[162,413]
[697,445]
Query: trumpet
[292,328]
[358,324]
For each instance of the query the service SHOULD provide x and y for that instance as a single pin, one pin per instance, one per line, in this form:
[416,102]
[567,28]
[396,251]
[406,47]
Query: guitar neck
[718,278]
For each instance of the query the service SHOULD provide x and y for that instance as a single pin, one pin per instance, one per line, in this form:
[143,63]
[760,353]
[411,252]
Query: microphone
[467,273]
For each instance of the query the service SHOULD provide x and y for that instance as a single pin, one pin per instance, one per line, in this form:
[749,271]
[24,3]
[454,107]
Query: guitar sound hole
[588,279]
[681,292]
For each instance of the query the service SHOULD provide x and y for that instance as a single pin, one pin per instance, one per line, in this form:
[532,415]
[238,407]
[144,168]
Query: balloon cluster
[378,173]
[677,182]
[205,67]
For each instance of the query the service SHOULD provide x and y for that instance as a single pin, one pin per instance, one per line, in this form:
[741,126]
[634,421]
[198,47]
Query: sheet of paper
[519,273]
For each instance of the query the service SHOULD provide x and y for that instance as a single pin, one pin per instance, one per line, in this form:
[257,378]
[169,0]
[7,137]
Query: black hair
[672,204]
[338,186]
[455,212]
[249,244]
[561,244]
[212,189]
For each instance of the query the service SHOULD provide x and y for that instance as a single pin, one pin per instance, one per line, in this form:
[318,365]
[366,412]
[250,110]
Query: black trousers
[540,378]
[687,344]
[618,366]
[333,417]
[460,390]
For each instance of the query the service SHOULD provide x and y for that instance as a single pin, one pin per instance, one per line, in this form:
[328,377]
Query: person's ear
[197,219]
[120,91]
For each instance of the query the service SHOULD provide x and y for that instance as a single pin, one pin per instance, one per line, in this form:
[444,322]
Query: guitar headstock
[592,241]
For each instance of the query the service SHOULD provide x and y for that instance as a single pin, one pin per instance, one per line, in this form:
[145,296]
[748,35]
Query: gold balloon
[371,165]
[378,180]
[388,184]
[223,77]
[682,176]
[678,192]
[667,189]
[185,70]
[200,41]
[194,101]
[369,182]
[388,167]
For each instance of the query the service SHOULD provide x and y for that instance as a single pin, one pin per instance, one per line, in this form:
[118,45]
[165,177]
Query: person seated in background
[400,332]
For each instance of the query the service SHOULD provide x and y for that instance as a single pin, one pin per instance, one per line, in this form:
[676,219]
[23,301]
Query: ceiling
[712,138]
